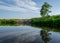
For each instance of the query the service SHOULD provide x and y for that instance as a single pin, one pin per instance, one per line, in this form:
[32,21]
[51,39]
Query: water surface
[28,34]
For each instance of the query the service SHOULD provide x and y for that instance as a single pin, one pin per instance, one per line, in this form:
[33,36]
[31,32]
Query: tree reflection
[45,36]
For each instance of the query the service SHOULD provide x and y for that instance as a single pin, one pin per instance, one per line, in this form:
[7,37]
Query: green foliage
[53,21]
[45,9]
[7,22]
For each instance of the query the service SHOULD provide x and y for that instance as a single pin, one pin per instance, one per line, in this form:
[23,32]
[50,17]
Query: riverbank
[14,22]
[49,21]
[6,22]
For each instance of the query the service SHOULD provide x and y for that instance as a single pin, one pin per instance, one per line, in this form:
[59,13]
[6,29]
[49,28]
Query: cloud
[28,4]
[18,5]
[13,8]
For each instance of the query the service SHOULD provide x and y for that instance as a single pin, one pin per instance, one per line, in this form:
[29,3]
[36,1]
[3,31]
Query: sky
[26,9]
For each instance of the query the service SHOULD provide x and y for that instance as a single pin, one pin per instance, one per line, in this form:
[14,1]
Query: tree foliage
[45,9]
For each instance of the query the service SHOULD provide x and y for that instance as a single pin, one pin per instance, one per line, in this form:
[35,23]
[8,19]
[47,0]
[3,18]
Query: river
[28,34]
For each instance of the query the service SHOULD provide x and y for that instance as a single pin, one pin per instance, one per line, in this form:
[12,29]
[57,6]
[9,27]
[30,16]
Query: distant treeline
[8,21]
[50,21]
[13,22]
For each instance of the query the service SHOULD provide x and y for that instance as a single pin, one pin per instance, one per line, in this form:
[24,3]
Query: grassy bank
[50,21]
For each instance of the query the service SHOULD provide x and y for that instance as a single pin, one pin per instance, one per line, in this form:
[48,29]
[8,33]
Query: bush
[53,21]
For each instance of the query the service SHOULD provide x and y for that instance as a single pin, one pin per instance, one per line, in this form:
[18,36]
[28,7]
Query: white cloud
[13,8]
[20,5]
[28,4]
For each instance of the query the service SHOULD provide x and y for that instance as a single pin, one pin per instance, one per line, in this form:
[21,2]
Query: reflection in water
[19,34]
[28,34]
[45,36]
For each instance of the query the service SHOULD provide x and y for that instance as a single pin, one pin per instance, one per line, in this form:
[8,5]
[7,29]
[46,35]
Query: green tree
[45,9]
